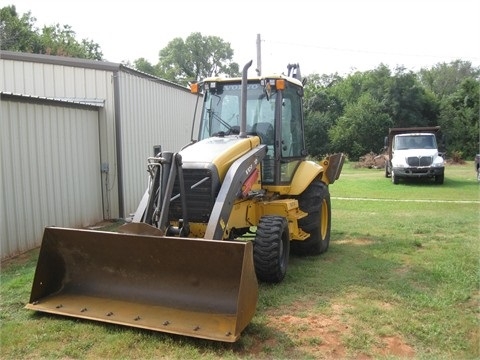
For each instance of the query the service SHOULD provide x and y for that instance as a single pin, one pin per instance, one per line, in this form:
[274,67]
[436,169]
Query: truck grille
[200,199]
[419,161]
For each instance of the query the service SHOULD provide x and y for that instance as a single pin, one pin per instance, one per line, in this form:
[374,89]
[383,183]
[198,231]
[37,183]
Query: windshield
[415,142]
[221,112]
[284,137]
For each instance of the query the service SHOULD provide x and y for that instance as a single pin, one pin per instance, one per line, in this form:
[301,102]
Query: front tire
[439,179]
[395,179]
[271,249]
[315,201]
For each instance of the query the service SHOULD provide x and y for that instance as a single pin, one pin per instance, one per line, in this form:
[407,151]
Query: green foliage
[407,102]
[361,128]
[353,114]
[316,129]
[443,79]
[460,115]
[18,33]
[191,60]
[321,111]
[60,40]
[145,66]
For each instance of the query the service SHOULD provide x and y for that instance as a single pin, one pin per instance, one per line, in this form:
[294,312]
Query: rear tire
[271,249]
[315,201]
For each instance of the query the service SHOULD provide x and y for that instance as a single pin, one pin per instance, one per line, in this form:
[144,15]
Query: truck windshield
[415,142]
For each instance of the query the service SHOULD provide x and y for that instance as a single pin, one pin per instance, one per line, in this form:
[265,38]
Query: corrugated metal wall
[139,111]
[150,114]
[55,80]
[49,170]
[69,78]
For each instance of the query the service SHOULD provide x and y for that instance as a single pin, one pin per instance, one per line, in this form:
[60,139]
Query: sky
[323,36]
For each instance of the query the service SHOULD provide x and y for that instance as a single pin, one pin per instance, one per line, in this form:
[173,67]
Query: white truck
[413,153]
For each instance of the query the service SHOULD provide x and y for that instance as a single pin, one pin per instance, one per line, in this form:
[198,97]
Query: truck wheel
[439,179]
[394,178]
[271,249]
[315,201]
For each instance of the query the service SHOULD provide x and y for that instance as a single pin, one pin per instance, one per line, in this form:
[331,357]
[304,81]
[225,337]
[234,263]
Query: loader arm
[231,188]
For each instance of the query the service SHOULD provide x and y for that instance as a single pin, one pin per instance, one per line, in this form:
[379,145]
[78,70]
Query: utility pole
[259,56]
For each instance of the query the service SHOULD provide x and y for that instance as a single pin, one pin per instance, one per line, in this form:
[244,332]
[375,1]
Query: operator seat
[265,131]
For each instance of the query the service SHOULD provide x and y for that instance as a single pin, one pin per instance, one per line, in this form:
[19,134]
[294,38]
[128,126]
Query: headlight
[398,163]
[438,161]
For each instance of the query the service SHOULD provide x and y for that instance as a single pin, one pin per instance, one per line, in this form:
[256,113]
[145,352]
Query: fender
[307,171]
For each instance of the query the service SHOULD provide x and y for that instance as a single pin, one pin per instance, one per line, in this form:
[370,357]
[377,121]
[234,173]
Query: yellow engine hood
[220,151]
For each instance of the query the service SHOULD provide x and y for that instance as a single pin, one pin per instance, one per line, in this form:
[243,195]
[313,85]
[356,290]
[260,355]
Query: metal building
[74,138]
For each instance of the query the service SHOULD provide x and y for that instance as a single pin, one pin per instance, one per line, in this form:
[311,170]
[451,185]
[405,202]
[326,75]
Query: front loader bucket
[194,287]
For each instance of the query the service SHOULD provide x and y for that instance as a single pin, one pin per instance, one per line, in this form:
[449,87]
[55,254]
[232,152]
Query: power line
[329,48]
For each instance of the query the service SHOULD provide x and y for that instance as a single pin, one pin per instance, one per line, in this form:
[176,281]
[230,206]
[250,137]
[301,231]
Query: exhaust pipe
[243,108]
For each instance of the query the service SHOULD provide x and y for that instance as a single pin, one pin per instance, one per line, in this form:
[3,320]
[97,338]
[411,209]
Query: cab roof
[254,78]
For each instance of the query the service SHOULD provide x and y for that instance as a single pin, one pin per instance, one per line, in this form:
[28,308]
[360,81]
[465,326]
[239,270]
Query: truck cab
[413,153]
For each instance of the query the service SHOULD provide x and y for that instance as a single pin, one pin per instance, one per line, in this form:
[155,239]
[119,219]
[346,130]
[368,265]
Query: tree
[145,66]
[191,60]
[408,103]
[347,115]
[362,127]
[60,40]
[444,79]
[459,119]
[322,108]
[19,34]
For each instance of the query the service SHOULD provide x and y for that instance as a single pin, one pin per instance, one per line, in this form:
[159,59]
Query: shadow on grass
[451,183]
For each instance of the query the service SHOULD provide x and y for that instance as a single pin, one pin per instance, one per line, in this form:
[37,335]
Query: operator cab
[273,112]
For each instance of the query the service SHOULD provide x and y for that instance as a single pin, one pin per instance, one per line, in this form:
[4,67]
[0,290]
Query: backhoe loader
[217,217]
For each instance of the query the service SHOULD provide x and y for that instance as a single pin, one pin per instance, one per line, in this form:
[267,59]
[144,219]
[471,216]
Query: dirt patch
[356,241]
[394,346]
[318,335]
[323,336]
[19,259]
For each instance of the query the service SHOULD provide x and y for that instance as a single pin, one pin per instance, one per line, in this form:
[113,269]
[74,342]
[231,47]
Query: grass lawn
[400,280]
